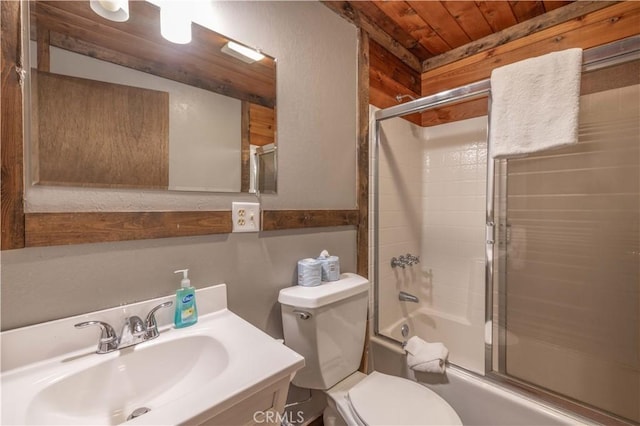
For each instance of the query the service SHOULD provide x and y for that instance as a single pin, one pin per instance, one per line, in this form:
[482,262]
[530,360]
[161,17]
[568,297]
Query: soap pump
[186,313]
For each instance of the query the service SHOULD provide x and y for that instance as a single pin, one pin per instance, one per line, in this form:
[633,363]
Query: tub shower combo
[528,268]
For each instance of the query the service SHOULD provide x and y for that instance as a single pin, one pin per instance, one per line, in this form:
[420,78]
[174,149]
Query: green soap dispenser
[186,313]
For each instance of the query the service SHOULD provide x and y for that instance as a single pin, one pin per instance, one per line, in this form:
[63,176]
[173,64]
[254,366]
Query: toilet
[327,324]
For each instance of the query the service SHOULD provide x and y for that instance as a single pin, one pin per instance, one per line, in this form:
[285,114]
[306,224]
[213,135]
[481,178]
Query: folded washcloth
[426,357]
[535,104]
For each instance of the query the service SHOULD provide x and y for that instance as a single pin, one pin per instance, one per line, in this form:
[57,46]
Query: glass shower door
[568,256]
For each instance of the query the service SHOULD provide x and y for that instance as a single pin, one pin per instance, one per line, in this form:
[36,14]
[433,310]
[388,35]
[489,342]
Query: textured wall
[316,52]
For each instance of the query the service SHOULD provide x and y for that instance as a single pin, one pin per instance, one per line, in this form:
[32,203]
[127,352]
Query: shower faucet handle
[395,262]
[412,260]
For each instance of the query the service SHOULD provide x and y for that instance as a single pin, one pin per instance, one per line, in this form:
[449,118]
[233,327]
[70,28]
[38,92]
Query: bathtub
[464,334]
[477,401]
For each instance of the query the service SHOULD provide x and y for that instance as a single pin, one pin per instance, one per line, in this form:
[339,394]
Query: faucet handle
[150,322]
[108,338]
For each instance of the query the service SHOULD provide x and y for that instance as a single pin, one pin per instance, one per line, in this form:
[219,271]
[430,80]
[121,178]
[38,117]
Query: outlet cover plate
[245,217]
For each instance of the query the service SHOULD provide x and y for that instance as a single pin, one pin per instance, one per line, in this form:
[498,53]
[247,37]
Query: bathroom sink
[144,375]
[184,374]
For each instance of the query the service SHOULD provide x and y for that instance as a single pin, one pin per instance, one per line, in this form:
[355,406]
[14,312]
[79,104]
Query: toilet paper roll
[309,272]
[330,268]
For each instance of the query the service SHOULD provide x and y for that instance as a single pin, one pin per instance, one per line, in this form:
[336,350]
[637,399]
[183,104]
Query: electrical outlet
[245,217]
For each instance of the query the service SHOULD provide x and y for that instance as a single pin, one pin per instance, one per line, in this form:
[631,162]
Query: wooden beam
[539,23]
[344,9]
[362,183]
[48,229]
[43,50]
[51,229]
[389,26]
[11,134]
[274,220]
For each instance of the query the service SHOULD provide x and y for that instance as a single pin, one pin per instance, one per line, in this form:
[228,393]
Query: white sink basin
[177,376]
[141,376]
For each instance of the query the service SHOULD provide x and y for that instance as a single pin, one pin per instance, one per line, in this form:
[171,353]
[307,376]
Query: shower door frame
[606,55]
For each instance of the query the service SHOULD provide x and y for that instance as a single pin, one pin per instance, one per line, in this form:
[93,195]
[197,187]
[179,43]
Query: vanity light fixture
[241,52]
[113,10]
[175,22]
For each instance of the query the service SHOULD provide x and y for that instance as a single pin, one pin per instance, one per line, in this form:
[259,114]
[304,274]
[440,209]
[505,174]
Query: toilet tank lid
[348,285]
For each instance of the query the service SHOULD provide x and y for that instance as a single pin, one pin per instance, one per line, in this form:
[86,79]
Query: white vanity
[221,370]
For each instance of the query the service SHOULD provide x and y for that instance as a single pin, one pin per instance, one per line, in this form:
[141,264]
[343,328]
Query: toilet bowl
[326,324]
[380,399]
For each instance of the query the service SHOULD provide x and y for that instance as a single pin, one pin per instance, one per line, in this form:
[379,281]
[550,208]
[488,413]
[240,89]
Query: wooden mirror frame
[21,229]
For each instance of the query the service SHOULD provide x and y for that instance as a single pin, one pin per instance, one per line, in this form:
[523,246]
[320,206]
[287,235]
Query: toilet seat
[380,399]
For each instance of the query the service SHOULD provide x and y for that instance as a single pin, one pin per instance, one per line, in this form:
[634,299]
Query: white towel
[426,357]
[535,104]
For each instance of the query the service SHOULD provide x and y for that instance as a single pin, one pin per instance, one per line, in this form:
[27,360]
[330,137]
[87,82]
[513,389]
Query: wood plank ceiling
[431,28]
[411,37]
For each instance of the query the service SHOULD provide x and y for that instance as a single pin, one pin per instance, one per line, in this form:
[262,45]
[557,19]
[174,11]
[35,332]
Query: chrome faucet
[403,261]
[406,297]
[108,339]
[134,331]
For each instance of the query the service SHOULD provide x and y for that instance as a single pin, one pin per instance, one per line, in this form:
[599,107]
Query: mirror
[114,104]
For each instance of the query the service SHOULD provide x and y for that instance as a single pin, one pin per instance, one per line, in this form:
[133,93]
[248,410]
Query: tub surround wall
[317,69]
[432,204]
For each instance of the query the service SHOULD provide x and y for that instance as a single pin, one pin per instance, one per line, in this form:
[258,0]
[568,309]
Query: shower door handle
[490,233]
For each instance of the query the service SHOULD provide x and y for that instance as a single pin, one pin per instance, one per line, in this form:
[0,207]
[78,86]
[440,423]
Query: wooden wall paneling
[600,27]
[262,125]
[524,29]
[274,220]
[47,229]
[461,111]
[389,77]
[122,140]
[11,132]
[383,61]
[346,10]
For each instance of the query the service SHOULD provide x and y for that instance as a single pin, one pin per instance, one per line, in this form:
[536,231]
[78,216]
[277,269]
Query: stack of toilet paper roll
[330,266]
[309,272]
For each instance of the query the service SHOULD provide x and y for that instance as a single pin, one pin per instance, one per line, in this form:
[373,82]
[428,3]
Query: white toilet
[326,324]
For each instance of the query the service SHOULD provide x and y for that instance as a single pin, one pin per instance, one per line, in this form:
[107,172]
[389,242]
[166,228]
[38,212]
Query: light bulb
[113,10]
[175,23]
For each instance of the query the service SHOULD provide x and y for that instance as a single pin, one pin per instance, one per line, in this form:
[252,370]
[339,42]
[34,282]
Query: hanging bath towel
[535,104]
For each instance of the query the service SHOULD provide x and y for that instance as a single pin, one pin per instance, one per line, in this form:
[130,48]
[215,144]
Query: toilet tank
[326,324]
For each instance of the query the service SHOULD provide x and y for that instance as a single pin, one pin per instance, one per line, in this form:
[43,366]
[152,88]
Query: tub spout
[406,297]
